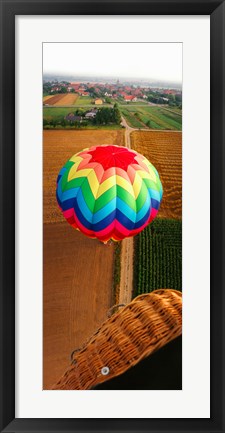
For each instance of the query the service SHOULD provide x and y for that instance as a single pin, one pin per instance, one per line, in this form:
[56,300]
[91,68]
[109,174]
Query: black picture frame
[9,9]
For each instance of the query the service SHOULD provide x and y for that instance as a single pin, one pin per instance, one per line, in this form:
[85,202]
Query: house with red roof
[130,98]
[169,92]
[75,86]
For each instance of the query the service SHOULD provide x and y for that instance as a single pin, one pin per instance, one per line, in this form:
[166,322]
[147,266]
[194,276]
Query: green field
[83,101]
[121,101]
[57,111]
[131,119]
[176,109]
[136,116]
[158,257]
[159,117]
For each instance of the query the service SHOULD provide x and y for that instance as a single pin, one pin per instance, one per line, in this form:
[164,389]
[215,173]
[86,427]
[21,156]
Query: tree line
[104,116]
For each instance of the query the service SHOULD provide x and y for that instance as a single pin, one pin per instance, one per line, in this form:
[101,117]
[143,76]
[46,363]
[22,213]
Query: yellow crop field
[54,99]
[68,99]
[60,100]
[164,151]
[46,98]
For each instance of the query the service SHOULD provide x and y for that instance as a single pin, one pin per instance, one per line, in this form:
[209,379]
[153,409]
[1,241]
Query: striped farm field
[132,121]
[158,118]
[158,256]
[164,151]
[46,98]
[68,99]
[54,99]
[60,100]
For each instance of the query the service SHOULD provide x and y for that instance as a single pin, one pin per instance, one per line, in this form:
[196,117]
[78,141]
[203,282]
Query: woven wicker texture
[140,328]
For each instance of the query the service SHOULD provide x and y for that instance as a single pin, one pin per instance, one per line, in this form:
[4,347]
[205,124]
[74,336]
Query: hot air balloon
[109,192]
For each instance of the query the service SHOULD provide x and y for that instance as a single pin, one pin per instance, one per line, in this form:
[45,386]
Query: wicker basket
[134,332]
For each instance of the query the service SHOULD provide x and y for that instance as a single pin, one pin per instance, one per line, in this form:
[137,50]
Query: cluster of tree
[92,92]
[79,112]
[100,93]
[108,100]
[60,121]
[48,85]
[157,99]
[61,90]
[105,115]
[178,99]
[164,98]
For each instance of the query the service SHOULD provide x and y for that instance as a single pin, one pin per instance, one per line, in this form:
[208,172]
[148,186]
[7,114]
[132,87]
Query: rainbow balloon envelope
[109,192]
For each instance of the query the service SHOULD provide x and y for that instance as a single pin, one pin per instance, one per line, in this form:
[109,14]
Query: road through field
[127,248]
[128,131]
[126,271]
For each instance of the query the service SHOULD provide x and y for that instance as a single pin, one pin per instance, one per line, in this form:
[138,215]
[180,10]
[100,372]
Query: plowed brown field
[53,99]
[78,274]
[45,98]
[60,100]
[68,99]
[164,151]
[78,271]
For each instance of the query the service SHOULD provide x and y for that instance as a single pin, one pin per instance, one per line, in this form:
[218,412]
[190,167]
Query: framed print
[112,216]
[112,211]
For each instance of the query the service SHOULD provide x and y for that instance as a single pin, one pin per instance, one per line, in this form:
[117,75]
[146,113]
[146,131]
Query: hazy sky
[160,61]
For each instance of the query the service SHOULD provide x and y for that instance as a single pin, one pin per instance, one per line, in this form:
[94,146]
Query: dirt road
[128,130]
[126,273]
[127,248]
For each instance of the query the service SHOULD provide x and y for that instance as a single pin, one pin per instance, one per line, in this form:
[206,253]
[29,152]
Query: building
[130,98]
[90,115]
[75,86]
[98,101]
[73,118]
[81,90]
[55,89]
[169,92]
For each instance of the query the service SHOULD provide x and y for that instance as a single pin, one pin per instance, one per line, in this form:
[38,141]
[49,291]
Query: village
[108,92]
[91,105]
